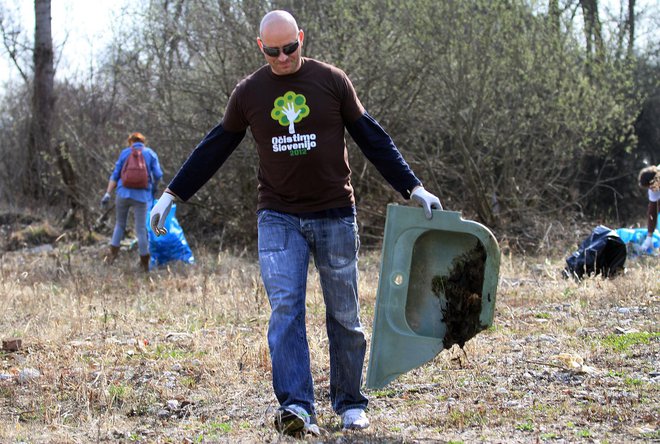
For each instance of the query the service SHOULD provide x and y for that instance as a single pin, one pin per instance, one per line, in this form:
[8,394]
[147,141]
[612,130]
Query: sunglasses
[275,52]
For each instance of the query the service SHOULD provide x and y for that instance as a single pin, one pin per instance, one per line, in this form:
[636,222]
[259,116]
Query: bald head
[277,19]
[281,42]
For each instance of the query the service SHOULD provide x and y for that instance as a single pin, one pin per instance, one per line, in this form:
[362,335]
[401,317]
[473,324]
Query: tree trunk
[592,30]
[631,27]
[43,100]
[554,15]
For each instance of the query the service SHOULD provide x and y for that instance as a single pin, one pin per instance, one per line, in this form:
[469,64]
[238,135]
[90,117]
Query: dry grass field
[180,356]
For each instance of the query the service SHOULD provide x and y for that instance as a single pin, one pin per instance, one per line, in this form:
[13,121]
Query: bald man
[297,109]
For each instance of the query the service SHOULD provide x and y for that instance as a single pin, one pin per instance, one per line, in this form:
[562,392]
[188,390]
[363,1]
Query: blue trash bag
[634,237]
[171,246]
[602,252]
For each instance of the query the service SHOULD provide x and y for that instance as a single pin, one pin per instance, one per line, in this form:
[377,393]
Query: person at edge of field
[649,179]
[137,198]
[297,109]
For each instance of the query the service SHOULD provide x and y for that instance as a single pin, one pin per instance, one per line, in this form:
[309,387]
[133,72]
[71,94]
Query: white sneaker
[354,419]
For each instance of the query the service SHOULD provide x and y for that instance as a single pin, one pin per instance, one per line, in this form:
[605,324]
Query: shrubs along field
[180,355]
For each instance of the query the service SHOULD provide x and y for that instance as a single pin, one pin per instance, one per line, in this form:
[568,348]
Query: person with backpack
[649,179]
[135,177]
[298,109]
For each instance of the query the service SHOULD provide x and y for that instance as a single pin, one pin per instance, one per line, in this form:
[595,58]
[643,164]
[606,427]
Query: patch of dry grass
[180,355]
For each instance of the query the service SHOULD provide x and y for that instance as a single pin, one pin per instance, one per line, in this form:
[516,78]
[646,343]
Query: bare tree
[593,31]
[14,42]
[43,99]
[554,14]
[630,25]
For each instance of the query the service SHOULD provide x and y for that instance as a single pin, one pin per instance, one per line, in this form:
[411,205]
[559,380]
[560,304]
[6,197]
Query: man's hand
[105,200]
[159,213]
[427,200]
[648,243]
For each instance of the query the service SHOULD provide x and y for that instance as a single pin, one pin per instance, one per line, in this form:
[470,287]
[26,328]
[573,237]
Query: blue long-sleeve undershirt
[378,147]
[204,161]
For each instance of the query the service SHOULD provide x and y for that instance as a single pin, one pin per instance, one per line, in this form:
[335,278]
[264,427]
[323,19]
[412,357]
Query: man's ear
[260,43]
[301,36]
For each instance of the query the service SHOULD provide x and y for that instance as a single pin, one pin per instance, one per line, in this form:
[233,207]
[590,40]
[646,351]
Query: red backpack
[134,172]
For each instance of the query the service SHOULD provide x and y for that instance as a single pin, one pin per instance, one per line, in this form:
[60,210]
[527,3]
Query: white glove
[648,243]
[159,213]
[427,200]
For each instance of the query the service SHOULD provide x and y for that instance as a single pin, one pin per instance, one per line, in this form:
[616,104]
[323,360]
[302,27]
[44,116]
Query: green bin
[436,288]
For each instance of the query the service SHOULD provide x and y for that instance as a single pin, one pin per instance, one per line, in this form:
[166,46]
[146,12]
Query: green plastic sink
[436,288]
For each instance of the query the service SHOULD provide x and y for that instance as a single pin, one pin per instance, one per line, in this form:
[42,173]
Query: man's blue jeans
[285,244]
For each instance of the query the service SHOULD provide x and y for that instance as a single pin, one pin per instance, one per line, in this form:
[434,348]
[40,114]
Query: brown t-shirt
[297,121]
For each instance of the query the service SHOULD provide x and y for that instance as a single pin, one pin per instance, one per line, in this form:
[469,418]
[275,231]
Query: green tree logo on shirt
[289,109]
